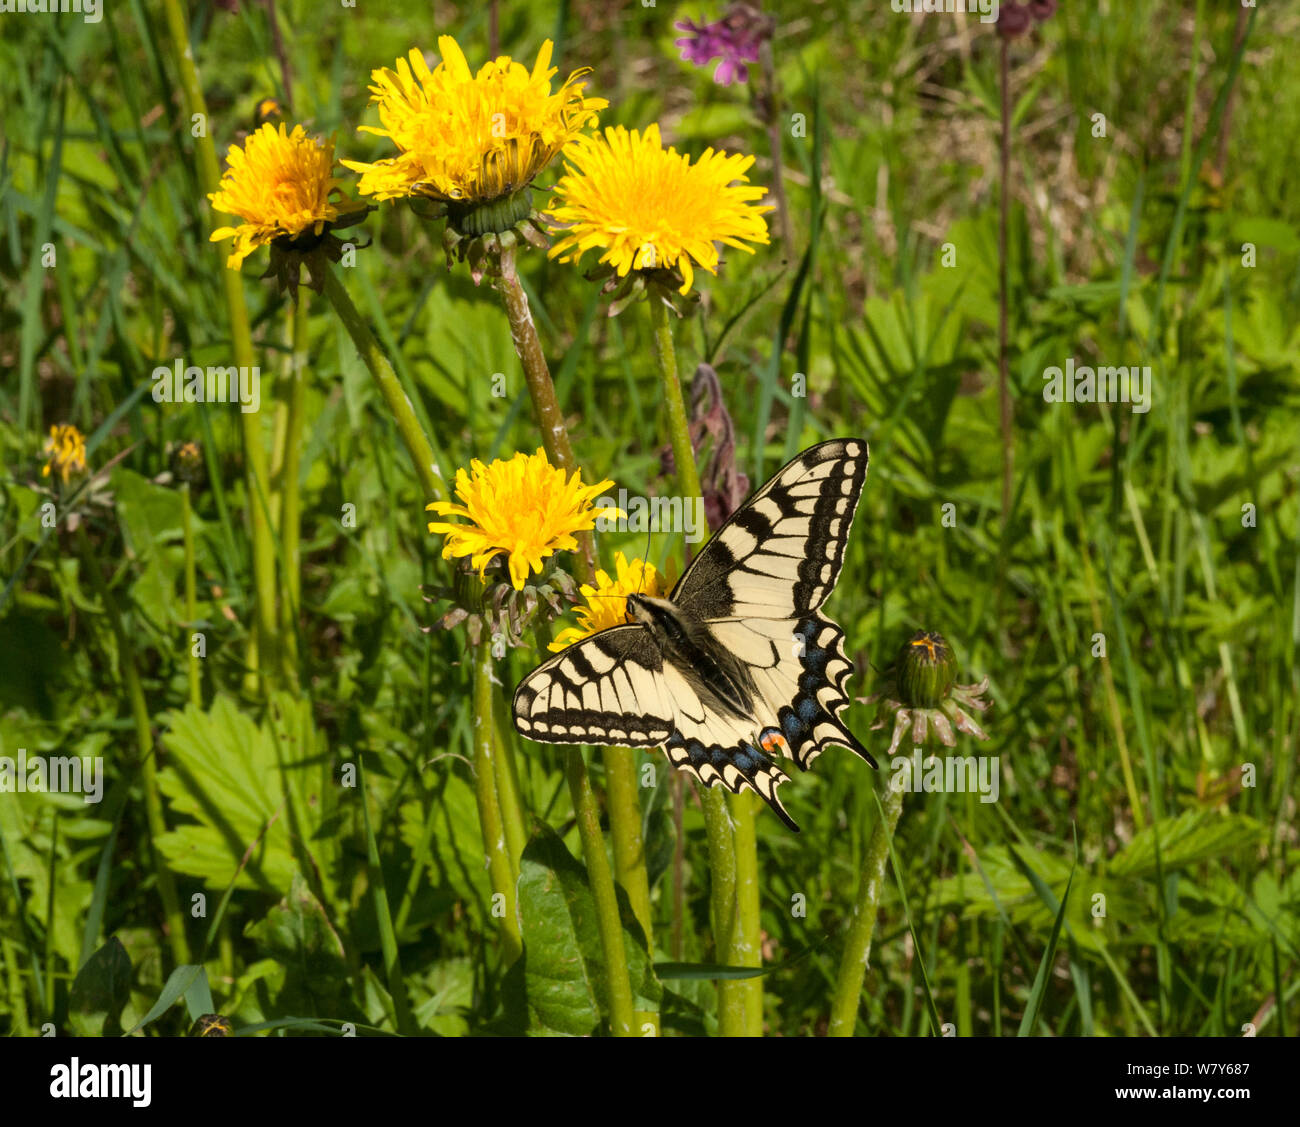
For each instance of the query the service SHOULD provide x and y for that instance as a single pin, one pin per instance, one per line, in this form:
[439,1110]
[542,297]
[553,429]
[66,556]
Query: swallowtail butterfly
[738,663]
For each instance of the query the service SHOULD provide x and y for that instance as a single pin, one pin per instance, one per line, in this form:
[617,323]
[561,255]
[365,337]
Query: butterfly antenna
[645,560]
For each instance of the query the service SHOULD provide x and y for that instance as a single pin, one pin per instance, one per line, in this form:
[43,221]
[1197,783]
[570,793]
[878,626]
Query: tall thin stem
[489,809]
[541,389]
[621,1014]
[261,652]
[1004,387]
[734,922]
[622,793]
[512,818]
[390,387]
[622,796]
[187,524]
[620,766]
[771,112]
[857,945]
[146,760]
[291,504]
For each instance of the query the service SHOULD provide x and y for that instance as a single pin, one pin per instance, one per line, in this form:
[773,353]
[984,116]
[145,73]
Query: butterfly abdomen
[714,673]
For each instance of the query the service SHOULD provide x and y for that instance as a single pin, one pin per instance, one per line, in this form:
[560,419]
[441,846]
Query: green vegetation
[291,826]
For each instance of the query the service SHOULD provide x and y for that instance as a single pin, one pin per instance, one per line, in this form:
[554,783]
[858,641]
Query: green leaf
[1185,840]
[1266,231]
[564,964]
[100,991]
[224,773]
[557,918]
[150,515]
[178,983]
[198,998]
[297,934]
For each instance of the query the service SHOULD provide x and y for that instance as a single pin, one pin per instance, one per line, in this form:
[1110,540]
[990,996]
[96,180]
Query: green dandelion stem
[291,503]
[191,612]
[146,760]
[624,804]
[505,777]
[489,808]
[857,946]
[262,644]
[541,390]
[390,387]
[733,855]
[621,796]
[622,793]
[622,1016]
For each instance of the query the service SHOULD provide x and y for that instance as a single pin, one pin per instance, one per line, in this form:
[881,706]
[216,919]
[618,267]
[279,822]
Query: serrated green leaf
[224,773]
[1188,838]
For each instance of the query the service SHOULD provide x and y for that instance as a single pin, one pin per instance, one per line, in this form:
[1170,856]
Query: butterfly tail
[734,768]
[845,738]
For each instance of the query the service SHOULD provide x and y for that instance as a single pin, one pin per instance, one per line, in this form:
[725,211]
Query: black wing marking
[757,584]
[615,688]
[603,689]
[780,553]
[801,677]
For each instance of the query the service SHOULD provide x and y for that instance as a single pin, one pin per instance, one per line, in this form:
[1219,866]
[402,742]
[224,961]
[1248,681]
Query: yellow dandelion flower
[471,137]
[607,600]
[524,508]
[282,185]
[648,207]
[66,448]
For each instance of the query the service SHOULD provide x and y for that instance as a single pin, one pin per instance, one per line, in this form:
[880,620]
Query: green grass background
[1124,248]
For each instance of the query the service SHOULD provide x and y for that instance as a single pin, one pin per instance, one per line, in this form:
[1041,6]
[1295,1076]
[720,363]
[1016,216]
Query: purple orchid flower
[735,39]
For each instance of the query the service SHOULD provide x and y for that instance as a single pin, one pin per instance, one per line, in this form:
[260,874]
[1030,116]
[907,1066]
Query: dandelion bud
[926,670]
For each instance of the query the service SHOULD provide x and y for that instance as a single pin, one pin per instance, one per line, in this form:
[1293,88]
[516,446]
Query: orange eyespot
[771,741]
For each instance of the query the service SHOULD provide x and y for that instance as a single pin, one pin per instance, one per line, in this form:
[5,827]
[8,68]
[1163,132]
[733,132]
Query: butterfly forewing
[604,689]
[781,552]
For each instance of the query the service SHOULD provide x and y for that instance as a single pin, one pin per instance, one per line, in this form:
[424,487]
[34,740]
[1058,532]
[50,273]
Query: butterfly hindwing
[781,552]
[800,669]
[614,688]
